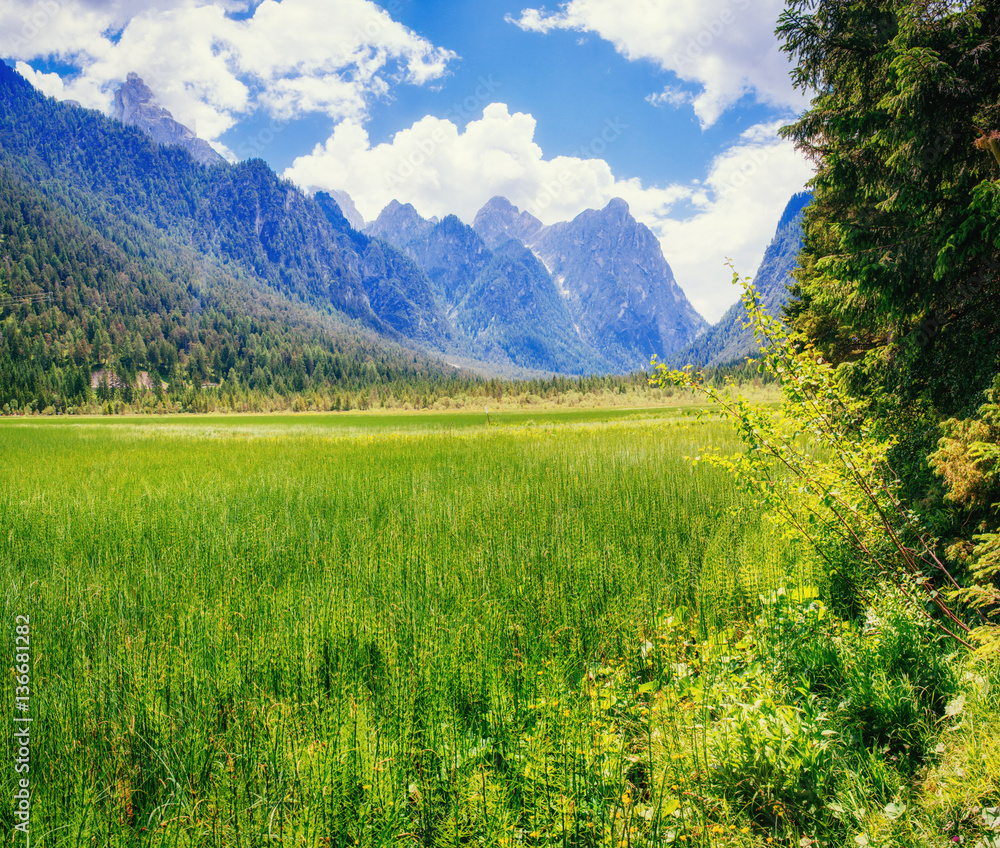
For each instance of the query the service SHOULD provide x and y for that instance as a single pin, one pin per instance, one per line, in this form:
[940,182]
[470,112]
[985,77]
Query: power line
[25,299]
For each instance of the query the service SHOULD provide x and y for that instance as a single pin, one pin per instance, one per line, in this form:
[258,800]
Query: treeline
[109,320]
[74,301]
[132,278]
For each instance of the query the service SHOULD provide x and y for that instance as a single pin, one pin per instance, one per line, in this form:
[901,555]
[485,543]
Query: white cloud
[441,169]
[670,96]
[300,56]
[726,47]
[736,213]
[209,68]
[85,92]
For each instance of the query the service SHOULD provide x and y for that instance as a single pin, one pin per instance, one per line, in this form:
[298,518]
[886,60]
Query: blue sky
[572,82]
[671,104]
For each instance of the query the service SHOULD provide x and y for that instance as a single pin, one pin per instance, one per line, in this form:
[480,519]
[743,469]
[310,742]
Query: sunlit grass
[312,628]
[423,629]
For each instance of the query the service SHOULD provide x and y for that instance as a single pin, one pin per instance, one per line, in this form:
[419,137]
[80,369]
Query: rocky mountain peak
[500,207]
[348,209]
[135,106]
[614,217]
[731,339]
[399,224]
[612,275]
[618,284]
[130,98]
[500,220]
[617,208]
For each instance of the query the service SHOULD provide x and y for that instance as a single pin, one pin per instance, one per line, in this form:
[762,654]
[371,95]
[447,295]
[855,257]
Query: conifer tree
[901,261]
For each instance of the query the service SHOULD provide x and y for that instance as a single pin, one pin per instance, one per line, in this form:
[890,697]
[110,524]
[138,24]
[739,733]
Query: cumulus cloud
[725,47]
[442,169]
[209,67]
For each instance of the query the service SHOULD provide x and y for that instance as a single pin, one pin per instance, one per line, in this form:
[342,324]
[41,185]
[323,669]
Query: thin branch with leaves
[820,469]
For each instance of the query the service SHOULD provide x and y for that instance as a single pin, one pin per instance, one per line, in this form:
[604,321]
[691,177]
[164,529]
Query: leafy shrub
[820,469]
[967,460]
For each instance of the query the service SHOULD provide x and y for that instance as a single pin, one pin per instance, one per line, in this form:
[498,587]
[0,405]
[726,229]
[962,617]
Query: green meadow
[342,627]
[401,629]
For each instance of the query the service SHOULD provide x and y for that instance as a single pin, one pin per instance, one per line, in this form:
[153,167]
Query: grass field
[415,629]
[351,628]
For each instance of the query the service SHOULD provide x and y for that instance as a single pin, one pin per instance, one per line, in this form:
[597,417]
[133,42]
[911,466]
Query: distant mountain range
[591,295]
[610,269]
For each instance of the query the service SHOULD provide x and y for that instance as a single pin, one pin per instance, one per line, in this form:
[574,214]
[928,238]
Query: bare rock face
[348,209]
[731,339]
[500,220]
[499,298]
[399,224]
[135,106]
[611,273]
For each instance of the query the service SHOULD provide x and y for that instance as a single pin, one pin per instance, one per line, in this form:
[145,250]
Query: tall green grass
[253,631]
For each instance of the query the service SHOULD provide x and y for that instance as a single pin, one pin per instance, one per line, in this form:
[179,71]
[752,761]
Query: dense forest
[90,322]
[129,261]
[899,279]
[76,303]
[899,285]
[883,460]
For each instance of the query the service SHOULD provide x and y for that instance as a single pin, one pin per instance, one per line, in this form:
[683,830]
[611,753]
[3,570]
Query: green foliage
[78,301]
[819,468]
[730,340]
[968,461]
[899,271]
[369,629]
[376,629]
[963,783]
[800,726]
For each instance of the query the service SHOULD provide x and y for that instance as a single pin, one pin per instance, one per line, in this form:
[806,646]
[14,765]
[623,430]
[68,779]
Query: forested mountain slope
[135,257]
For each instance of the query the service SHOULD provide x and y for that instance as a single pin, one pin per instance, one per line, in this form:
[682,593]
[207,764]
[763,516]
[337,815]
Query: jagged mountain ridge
[503,301]
[729,340]
[348,209]
[500,220]
[242,218]
[484,292]
[619,299]
[107,298]
[135,106]
[610,269]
